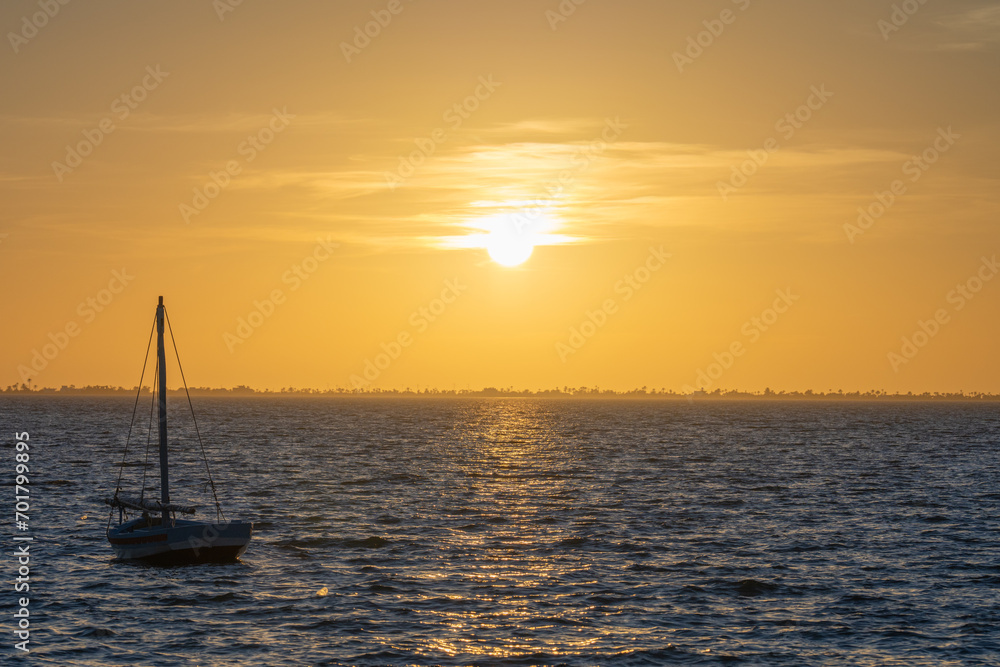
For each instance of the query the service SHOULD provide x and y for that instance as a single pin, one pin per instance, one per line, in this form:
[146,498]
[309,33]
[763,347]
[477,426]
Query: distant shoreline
[490,392]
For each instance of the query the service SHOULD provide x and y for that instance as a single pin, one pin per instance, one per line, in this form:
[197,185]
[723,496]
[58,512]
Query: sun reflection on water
[513,469]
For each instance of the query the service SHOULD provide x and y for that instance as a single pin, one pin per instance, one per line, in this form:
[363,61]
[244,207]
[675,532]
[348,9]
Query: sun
[511,236]
[509,246]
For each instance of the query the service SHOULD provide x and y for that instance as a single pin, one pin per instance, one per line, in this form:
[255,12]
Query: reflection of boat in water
[157,536]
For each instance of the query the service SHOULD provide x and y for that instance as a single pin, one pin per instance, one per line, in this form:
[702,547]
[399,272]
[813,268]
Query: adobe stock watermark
[248,149]
[88,310]
[900,16]
[294,277]
[31,25]
[454,117]
[697,44]
[364,34]
[914,168]
[786,126]
[210,534]
[121,108]
[562,12]
[752,330]
[420,320]
[223,7]
[21,556]
[627,287]
[613,129]
[958,298]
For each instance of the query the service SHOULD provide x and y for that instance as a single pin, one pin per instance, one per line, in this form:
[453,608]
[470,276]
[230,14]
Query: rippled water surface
[523,531]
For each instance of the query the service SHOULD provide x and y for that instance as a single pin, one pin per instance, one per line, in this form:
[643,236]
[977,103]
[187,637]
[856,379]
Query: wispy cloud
[578,193]
[187,123]
[549,170]
[971,30]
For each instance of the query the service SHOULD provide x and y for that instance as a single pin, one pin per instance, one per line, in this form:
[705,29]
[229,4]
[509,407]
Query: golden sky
[737,193]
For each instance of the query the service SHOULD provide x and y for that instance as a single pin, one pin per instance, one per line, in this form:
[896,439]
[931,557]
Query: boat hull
[183,542]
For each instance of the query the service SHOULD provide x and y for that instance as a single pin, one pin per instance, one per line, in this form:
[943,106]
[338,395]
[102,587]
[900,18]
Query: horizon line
[508,392]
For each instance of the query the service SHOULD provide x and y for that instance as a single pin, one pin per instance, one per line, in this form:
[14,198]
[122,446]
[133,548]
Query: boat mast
[161,362]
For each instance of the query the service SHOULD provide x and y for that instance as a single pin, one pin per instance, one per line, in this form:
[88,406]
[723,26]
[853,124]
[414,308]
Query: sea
[518,531]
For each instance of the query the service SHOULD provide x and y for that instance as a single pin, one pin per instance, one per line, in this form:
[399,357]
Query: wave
[96,632]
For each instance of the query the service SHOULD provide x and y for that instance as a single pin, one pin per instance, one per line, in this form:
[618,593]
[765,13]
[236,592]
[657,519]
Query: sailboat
[157,536]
